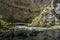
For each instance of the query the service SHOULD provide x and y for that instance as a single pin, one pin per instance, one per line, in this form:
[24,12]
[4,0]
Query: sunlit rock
[57,10]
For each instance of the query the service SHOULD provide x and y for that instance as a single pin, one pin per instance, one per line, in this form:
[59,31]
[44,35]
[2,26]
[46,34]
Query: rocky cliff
[19,10]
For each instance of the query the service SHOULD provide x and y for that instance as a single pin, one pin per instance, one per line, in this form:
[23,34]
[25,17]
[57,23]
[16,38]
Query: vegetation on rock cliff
[46,10]
[4,24]
[38,18]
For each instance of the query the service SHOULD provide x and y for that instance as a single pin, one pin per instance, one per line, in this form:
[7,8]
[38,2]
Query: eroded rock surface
[53,34]
[19,10]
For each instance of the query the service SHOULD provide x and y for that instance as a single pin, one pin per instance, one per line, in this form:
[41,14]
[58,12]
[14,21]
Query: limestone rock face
[19,10]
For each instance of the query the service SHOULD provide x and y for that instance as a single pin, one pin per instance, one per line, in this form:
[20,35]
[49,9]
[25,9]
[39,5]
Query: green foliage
[1,16]
[4,24]
[35,21]
[38,18]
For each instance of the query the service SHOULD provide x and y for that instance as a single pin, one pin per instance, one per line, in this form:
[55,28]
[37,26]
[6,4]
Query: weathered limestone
[21,10]
[18,10]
